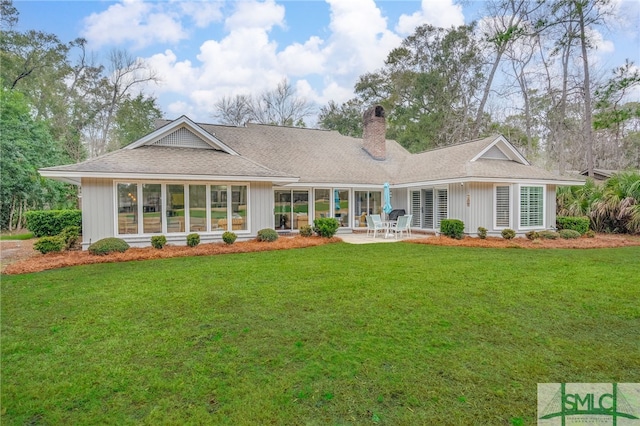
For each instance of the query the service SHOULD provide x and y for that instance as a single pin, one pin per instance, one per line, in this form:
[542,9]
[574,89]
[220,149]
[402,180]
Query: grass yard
[396,334]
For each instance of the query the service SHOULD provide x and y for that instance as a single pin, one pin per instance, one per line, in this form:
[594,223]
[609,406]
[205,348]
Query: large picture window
[180,208]
[531,206]
[366,203]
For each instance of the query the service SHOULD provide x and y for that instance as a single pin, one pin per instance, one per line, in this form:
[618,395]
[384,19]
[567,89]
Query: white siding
[457,208]
[261,206]
[551,206]
[97,210]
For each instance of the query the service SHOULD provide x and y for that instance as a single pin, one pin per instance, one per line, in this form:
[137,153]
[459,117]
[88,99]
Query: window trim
[544,206]
[495,206]
[163,191]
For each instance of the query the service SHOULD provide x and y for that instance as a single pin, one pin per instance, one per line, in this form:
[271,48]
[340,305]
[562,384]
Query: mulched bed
[32,261]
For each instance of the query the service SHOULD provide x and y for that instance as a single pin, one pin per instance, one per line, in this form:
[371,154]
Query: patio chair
[403,225]
[374,223]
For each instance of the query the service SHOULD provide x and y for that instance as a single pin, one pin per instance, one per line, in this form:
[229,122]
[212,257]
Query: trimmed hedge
[108,245]
[49,245]
[453,228]
[48,223]
[576,223]
[326,226]
[267,234]
[548,235]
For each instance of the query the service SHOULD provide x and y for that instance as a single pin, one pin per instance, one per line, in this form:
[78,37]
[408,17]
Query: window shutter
[415,208]
[502,206]
[428,209]
[442,206]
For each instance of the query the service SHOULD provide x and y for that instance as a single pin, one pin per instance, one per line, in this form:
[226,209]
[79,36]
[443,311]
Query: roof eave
[76,176]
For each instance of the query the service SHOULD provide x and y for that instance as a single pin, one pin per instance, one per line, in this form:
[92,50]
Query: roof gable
[182,133]
[501,149]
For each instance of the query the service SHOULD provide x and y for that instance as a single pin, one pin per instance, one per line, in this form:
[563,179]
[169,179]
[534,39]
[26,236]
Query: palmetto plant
[612,207]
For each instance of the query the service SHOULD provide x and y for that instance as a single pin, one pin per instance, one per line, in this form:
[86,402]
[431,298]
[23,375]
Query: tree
[234,111]
[124,73]
[135,118]
[25,146]
[429,87]
[345,118]
[280,106]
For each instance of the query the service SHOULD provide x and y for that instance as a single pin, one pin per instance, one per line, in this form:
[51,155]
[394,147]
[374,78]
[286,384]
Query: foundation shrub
[568,234]
[193,239]
[268,235]
[482,232]
[229,237]
[49,223]
[158,241]
[453,228]
[108,245]
[306,231]
[508,234]
[49,245]
[326,226]
[576,223]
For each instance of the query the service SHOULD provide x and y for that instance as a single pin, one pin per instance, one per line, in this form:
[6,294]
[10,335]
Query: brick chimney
[374,132]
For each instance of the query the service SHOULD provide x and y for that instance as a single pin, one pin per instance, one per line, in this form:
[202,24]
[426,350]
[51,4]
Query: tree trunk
[588,133]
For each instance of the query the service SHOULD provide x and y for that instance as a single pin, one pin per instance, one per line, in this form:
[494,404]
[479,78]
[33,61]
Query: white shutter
[427,219]
[502,206]
[442,212]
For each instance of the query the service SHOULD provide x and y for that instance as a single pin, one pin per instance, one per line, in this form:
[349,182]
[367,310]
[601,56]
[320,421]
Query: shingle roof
[312,156]
[159,160]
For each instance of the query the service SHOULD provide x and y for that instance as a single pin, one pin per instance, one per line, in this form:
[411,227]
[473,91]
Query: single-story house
[187,177]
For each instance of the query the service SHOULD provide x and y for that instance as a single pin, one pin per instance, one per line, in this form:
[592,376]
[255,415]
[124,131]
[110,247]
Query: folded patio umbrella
[387,208]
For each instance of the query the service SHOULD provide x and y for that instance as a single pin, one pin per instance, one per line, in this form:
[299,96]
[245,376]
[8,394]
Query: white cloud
[203,13]
[439,13]
[137,23]
[254,14]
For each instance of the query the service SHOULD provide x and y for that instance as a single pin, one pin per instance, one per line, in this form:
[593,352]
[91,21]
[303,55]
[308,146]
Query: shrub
[193,239]
[453,228]
[482,232]
[576,223]
[108,245]
[508,234]
[548,235]
[229,237]
[306,230]
[49,245]
[158,241]
[48,223]
[568,234]
[590,234]
[532,235]
[267,234]
[70,235]
[326,226]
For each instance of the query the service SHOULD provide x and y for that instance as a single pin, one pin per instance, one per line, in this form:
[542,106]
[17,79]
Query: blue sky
[204,50]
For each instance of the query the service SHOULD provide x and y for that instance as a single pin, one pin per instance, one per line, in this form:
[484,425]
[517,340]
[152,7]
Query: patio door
[429,207]
[291,209]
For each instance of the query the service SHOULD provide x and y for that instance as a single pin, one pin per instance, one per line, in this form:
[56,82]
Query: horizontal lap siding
[550,206]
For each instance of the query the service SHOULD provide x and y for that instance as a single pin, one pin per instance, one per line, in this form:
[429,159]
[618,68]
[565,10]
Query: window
[291,209]
[366,202]
[127,208]
[442,206]
[152,208]
[180,208]
[218,207]
[197,208]
[531,206]
[503,206]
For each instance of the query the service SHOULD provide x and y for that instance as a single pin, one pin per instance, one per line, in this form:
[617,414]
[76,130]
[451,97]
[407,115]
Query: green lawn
[339,334]
[22,236]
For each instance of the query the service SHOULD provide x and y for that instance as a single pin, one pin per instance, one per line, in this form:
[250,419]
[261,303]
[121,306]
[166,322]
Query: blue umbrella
[387,199]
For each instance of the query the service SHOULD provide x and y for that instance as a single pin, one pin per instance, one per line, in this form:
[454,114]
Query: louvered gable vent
[183,138]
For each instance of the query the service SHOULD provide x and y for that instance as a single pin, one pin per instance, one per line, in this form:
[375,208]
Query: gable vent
[183,138]
[495,153]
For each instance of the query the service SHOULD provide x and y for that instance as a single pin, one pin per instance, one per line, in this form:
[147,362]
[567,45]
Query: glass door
[282,209]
